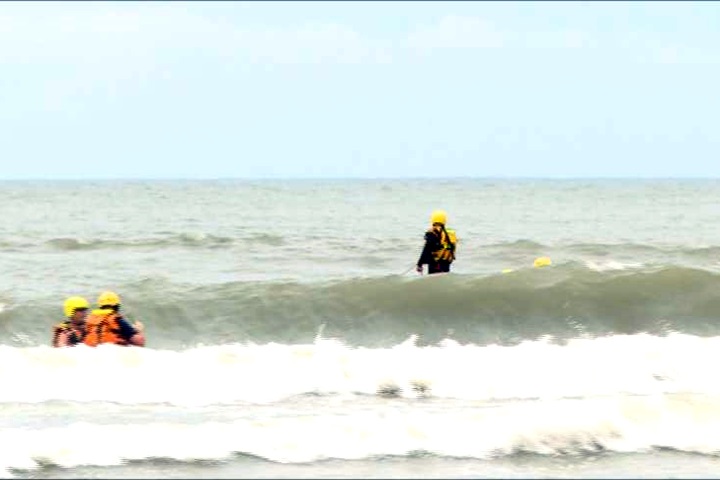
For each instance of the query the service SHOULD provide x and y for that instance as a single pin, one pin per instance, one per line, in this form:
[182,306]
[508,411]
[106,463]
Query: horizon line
[338,178]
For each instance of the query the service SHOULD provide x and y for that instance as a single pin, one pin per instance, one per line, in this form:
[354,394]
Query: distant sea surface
[290,337]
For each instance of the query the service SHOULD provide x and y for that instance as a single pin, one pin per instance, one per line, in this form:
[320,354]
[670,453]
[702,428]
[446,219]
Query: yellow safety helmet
[438,216]
[108,299]
[74,303]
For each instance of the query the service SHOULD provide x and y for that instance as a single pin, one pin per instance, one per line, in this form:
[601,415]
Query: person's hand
[419,269]
[139,326]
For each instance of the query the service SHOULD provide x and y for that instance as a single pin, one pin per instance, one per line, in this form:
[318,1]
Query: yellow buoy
[542,262]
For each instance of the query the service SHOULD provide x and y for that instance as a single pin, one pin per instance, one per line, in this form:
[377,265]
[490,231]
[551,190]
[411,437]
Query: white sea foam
[568,426]
[619,393]
[623,364]
[612,265]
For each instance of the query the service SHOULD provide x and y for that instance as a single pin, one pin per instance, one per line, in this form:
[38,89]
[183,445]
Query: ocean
[288,335]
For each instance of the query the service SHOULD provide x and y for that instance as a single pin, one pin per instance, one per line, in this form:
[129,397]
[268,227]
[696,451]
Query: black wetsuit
[433,244]
[126,331]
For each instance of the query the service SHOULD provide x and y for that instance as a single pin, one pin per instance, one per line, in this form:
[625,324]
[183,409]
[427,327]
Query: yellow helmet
[108,299]
[74,303]
[438,216]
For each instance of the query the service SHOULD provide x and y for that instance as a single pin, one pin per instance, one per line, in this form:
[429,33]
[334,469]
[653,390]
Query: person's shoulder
[62,325]
[125,324]
[127,329]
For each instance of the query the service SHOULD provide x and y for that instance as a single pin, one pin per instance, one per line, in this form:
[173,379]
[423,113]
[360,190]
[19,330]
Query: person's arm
[426,254]
[139,338]
[132,335]
[62,339]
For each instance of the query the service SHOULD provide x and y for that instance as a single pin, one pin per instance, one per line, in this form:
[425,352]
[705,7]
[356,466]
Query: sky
[359,89]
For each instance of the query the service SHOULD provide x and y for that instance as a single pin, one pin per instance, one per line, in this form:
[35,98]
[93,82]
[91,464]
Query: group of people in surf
[107,324]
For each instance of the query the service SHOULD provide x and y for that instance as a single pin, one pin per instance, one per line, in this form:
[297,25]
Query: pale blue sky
[356,89]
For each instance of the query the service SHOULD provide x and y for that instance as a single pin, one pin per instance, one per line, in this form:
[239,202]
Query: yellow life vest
[448,242]
[75,335]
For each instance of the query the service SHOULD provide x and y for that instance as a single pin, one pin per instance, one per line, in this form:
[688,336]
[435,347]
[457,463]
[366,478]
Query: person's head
[438,219]
[109,300]
[76,309]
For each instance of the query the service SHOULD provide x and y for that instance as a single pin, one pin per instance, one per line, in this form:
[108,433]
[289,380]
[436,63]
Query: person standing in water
[72,331]
[107,324]
[440,245]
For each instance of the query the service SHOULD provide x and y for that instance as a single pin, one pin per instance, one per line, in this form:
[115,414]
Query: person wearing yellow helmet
[107,325]
[71,331]
[440,245]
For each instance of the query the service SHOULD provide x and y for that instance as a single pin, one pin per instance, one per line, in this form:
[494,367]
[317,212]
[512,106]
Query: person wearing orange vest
[440,245]
[107,325]
[72,331]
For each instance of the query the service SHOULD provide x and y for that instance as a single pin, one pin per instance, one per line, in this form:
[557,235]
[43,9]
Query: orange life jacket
[101,326]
